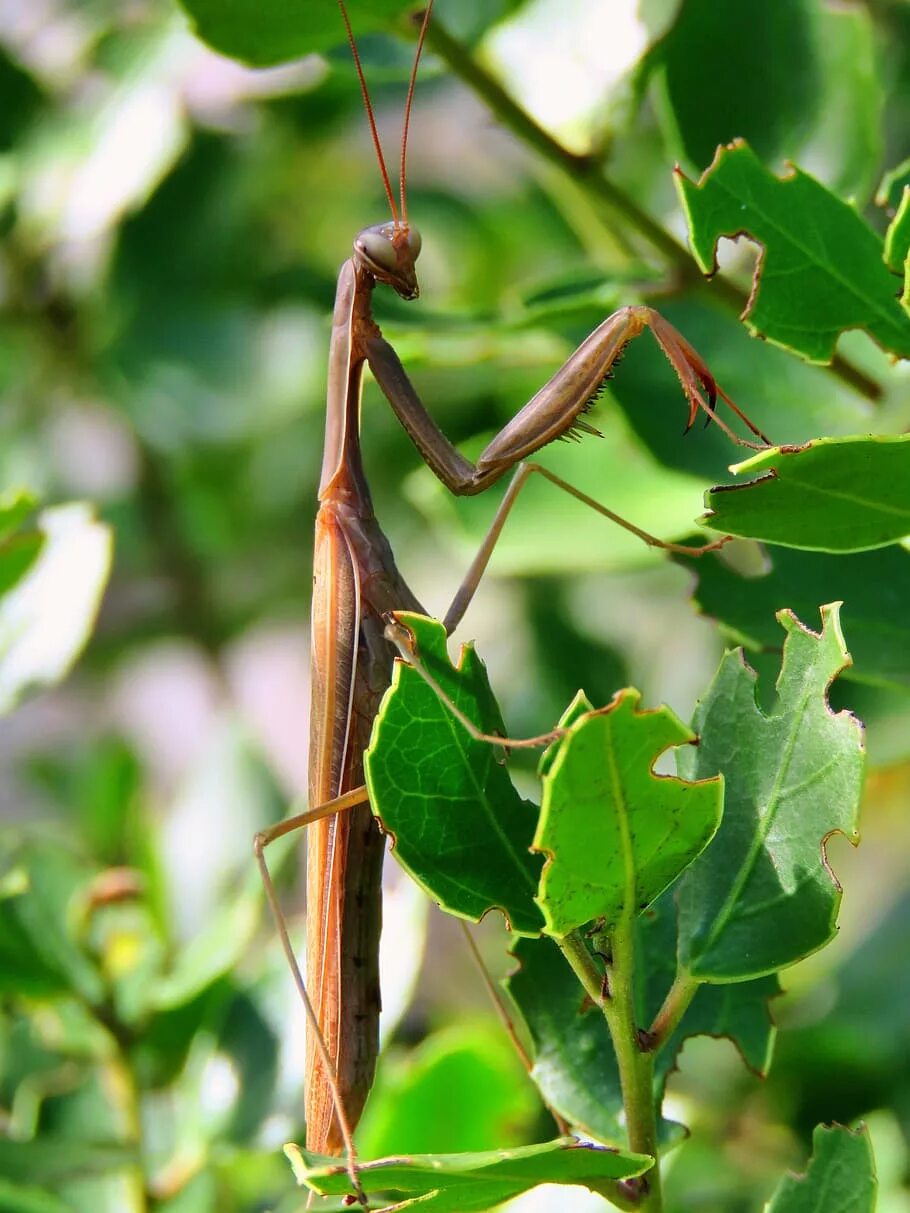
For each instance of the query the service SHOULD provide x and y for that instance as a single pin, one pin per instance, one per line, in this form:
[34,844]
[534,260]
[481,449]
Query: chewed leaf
[822,269]
[459,826]
[461,1183]
[617,834]
[830,495]
[579,706]
[762,896]
[840,1177]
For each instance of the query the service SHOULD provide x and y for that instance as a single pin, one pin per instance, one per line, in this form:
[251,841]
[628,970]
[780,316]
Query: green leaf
[897,237]
[574,1063]
[264,32]
[617,834]
[762,896]
[463,1088]
[459,827]
[46,618]
[846,136]
[739,1011]
[874,587]
[830,111]
[840,1177]
[822,270]
[830,495]
[460,1183]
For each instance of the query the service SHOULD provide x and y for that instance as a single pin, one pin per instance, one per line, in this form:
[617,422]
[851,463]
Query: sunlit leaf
[892,185]
[19,546]
[462,1183]
[15,507]
[212,952]
[615,833]
[847,135]
[458,825]
[830,495]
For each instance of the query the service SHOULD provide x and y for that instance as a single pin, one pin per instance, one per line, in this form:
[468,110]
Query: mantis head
[388,252]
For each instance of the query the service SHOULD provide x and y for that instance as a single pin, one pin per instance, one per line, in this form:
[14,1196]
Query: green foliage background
[172,228]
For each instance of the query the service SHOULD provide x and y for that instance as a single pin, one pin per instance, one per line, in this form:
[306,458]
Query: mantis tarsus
[357,586]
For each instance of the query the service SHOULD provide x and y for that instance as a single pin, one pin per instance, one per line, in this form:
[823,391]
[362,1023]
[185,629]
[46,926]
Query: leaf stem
[675,1005]
[589,175]
[636,1067]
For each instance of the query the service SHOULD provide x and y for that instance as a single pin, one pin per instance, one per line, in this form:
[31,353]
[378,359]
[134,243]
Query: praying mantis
[357,587]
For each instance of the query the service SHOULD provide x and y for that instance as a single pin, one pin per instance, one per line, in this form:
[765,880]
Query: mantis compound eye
[376,248]
[414,242]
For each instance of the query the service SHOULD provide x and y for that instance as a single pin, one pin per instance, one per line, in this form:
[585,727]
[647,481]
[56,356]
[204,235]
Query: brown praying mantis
[356,589]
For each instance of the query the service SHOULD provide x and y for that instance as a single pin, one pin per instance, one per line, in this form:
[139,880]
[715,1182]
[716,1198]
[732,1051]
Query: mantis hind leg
[520,478]
[289,825]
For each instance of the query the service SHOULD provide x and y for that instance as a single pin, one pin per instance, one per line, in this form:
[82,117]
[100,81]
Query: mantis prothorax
[357,587]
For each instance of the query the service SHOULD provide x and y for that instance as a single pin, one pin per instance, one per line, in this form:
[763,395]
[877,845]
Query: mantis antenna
[399,218]
[403,169]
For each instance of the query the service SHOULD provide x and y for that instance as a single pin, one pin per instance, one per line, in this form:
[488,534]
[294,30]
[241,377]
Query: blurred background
[173,223]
